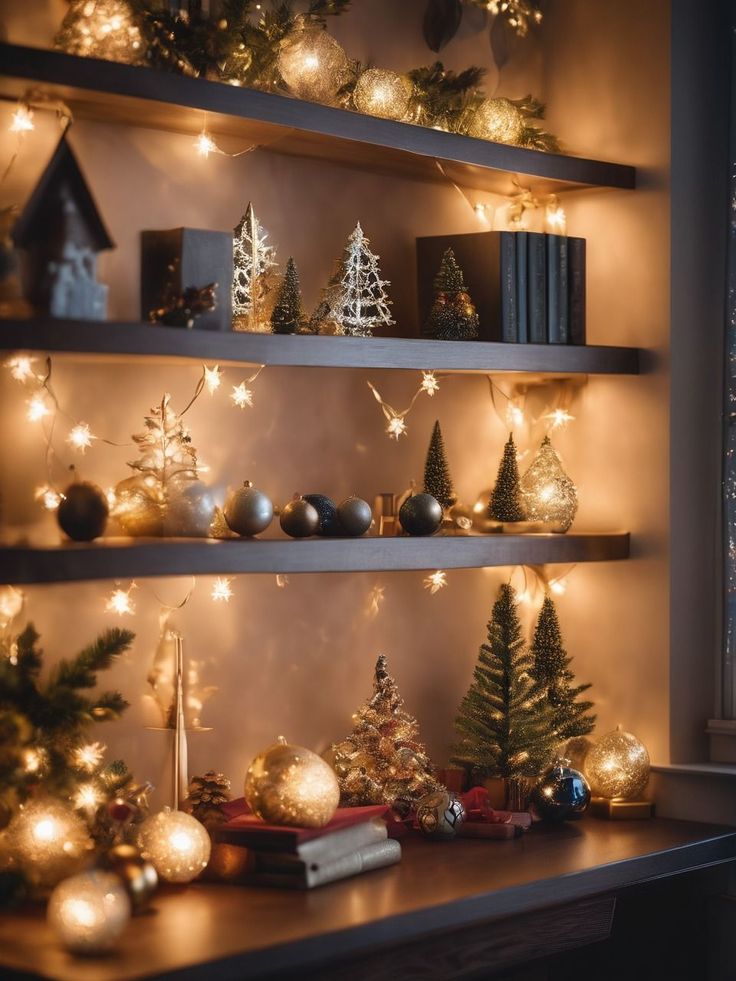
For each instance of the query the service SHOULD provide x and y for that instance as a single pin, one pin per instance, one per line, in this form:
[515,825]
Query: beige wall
[297,660]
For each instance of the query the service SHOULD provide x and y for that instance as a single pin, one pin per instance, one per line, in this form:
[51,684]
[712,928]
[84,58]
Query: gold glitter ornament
[547,492]
[498,120]
[380,92]
[617,766]
[176,843]
[89,911]
[107,29]
[48,841]
[292,785]
[312,63]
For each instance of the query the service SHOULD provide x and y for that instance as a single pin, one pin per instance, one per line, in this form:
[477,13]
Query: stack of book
[248,851]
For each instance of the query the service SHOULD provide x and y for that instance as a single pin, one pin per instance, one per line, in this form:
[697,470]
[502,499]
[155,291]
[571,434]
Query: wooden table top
[237,932]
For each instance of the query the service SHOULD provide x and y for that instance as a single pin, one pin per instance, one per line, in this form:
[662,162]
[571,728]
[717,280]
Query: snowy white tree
[253,261]
[362,302]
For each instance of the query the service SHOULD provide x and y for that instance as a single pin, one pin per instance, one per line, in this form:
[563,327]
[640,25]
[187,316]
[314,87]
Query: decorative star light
[242,396]
[375,599]
[212,378]
[22,120]
[430,385]
[514,414]
[558,418]
[436,581]
[221,591]
[33,759]
[205,145]
[37,409]
[50,498]
[119,601]
[21,368]
[87,798]
[558,586]
[80,437]
[89,756]
[396,427]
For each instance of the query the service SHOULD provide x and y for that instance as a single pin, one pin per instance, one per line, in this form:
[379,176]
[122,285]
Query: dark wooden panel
[80,337]
[231,932]
[131,558]
[121,93]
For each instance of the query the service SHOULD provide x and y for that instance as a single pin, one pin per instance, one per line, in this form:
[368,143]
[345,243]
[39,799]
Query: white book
[328,848]
[309,875]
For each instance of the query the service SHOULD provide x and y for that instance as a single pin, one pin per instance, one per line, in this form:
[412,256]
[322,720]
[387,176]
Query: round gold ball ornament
[617,766]
[383,93]
[292,785]
[312,63]
[137,874]
[89,912]
[299,519]
[498,120]
[440,815]
[176,843]
[48,841]
[248,511]
[137,510]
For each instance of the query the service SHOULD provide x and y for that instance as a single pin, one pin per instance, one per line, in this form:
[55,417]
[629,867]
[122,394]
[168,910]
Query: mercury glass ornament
[89,911]
[299,519]
[440,815]
[136,509]
[312,63]
[498,120]
[547,492]
[106,29]
[190,512]
[380,92]
[562,793]
[248,511]
[48,841]
[292,785]
[617,766]
[354,516]
[420,514]
[137,874]
[176,843]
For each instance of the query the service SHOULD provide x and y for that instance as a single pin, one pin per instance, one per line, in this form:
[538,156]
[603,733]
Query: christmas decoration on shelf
[176,843]
[190,512]
[441,96]
[383,93]
[506,501]
[503,722]
[182,309]
[569,716]
[47,841]
[108,29]
[311,63]
[137,874]
[561,794]
[435,581]
[61,233]
[440,815]
[508,121]
[382,761]
[420,514]
[89,912]
[206,797]
[299,519]
[547,492]
[617,766]
[327,512]
[291,785]
[362,303]
[437,478]
[453,316]
[248,511]
[83,511]
[287,316]
[354,517]
[253,265]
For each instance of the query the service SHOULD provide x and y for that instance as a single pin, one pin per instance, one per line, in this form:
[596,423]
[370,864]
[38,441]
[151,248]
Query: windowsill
[727,770]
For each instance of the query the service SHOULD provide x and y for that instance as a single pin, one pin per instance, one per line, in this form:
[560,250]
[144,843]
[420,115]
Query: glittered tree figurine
[382,761]
[506,502]
[453,316]
[362,303]
[437,479]
[253,262]
[503,722]
[322,321]
[287,314]
[569,715]
[206,797]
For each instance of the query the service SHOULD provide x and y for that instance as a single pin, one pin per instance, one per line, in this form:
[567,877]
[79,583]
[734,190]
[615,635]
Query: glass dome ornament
[547,492]
[617,767]
[312,63]
[176,844]
[380,92]
[498,120]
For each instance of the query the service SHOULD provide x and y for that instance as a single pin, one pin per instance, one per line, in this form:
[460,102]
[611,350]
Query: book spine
[553,288]
[522,305]
[340,843]
[537,281]
[509,313]
[576,255]
[376,856]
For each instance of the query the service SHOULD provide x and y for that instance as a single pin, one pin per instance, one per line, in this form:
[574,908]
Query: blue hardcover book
[522,303]
[558,328]
[576,259]
[509,311]
[537,288]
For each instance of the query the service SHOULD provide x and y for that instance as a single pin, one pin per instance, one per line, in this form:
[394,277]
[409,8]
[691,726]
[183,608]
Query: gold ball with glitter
[137,874]
[176,843]
[617,766]
[380,92]
[547,493]
[48,841]
[106,29]
[89,912]
[498,120]
[291,785]
[312,63]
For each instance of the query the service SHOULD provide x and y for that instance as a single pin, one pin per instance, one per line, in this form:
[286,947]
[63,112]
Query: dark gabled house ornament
[61,232]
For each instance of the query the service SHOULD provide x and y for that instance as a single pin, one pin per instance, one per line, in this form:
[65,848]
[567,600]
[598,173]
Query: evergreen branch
[99,655]
[108,705]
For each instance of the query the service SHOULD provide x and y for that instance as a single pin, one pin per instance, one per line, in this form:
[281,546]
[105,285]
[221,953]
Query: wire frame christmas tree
[548,494]
[362,303]
[382,761]
[506,502]
[437,478]
[253,262]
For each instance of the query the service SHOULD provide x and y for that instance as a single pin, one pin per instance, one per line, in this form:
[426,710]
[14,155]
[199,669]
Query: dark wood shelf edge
[113,79]
[110,338]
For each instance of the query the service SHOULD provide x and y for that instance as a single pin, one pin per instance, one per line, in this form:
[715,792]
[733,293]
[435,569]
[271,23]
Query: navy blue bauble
[327,511]
[561,794]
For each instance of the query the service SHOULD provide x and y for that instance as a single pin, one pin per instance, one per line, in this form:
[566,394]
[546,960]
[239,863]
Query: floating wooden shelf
[137,558]
[113,93]
[134,339]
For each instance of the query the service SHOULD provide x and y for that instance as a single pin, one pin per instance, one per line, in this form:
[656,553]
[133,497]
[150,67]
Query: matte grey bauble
[421,514]
[299,519]
[354,516]
[189,512]
[248,511]
[440,815]
[82,514]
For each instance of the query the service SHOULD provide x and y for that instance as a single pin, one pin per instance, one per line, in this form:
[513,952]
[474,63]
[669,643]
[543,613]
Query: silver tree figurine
[253,261]
[362,302]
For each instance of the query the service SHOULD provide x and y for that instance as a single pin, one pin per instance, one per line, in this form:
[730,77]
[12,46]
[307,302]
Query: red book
[244,828]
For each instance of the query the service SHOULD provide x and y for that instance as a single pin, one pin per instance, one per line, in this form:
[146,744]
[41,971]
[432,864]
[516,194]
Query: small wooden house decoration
[61,232]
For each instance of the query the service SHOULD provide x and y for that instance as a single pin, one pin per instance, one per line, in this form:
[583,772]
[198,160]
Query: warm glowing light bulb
[88,757]
[48,497]
[311,61]
[559,418]
[205,145]
[556,220]
[558,587]
[80,437]
[21,368]
[46,829]
[514,414]
[37,409]
[119,601]
[33,760]
[396,427]
[87,798]
[436,581]
[212,378]
[221,591]
[430,385]
[241,396]
[22,120]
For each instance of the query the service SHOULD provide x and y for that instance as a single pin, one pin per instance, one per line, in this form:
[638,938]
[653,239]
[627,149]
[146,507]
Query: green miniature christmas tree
[503,720]
[287,314]
[453,316]
[437,479]
[551,669]
[505,503]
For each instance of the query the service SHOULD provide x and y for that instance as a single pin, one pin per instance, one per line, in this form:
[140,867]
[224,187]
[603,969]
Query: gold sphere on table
[48,841]
[547,493]
[380,92]
[617,766]
[177,845]
[136,509]
[498,120]
[292,785]
[137,874]
[312,63]
[89,912]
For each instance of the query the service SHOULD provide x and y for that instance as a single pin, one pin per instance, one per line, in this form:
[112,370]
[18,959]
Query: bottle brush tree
[287,315]
[506,503]
[503,722]
[570,716]
[437,479]
[453,316]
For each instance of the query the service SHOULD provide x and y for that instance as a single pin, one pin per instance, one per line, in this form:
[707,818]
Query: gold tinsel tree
[382,761]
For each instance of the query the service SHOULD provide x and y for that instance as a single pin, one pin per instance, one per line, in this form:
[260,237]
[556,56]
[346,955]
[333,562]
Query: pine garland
[437,479]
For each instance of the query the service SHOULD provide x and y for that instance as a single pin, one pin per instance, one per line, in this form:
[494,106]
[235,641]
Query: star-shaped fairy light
[242,396]
[221,590]
[436,581]
[119,601]
[212,378]
[430,385]
[80,437]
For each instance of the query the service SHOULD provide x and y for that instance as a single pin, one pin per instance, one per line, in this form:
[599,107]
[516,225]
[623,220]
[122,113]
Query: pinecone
[206,796]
